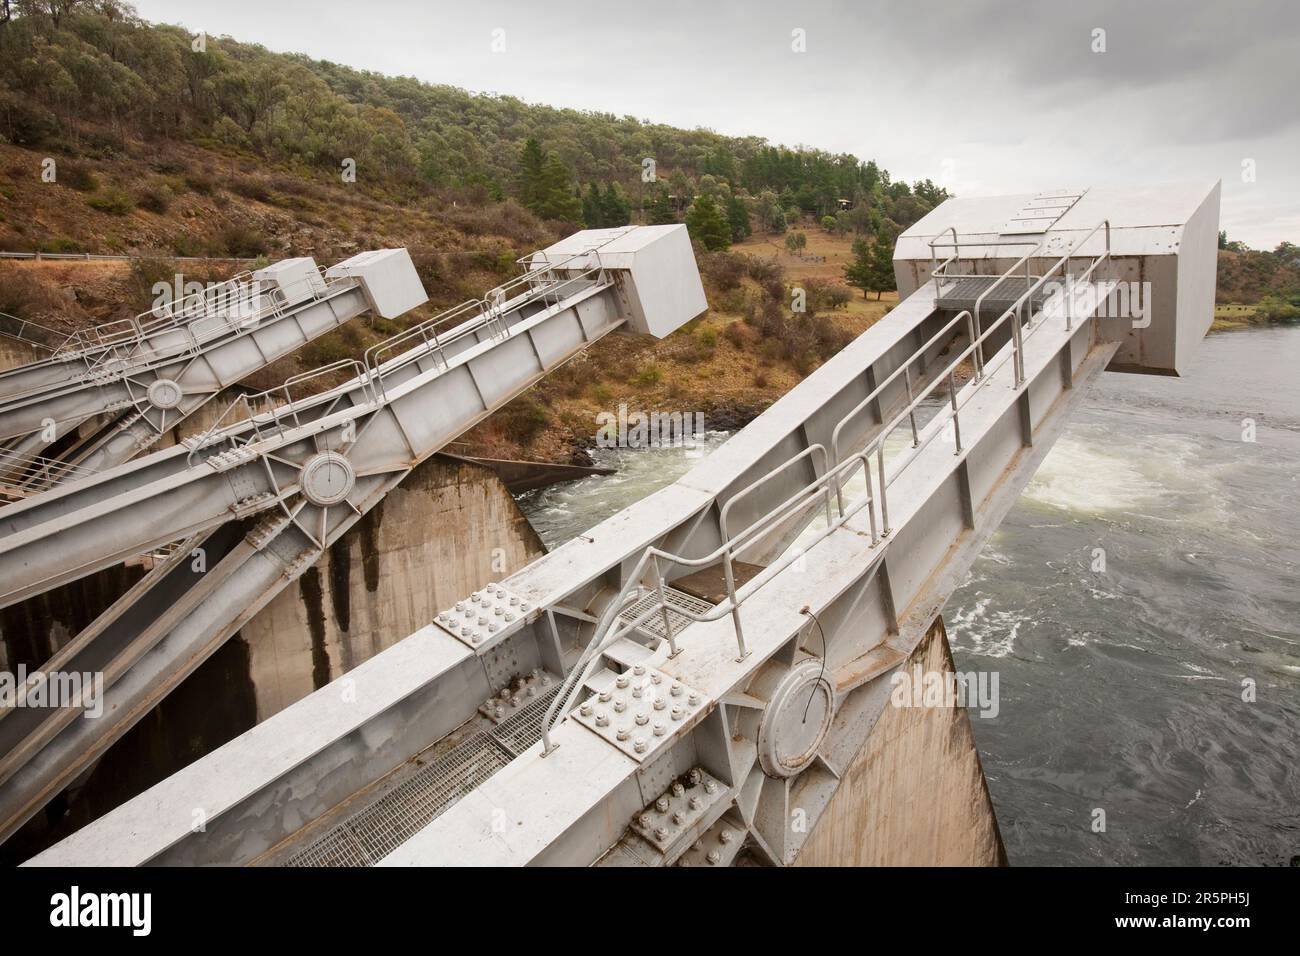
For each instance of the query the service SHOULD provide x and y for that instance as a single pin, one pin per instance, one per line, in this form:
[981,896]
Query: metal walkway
[131,381]
[280,478]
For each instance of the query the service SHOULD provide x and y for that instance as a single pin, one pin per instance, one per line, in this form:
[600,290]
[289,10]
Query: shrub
[75,176]
[648,374]
[322,351]
[24,123]
[242,242]
[199,182]
[251,188]
[764,270]
[523,419]
[112,201]
[154,197]
[22,292]
[723,270]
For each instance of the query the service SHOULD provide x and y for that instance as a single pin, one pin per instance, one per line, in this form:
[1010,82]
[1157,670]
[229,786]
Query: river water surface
[1146,582]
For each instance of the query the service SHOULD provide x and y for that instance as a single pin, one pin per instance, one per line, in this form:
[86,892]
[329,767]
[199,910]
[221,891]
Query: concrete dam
[402,676]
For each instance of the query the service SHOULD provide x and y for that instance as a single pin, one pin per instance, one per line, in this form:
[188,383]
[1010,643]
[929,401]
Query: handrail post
[911,409]
[956,423]
[735,608]
[663,607]
[884,503]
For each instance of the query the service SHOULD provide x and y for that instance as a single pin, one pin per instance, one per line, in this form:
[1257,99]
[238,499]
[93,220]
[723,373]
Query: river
[1145,586]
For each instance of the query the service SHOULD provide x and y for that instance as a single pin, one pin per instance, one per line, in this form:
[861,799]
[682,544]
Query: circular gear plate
[164,394]
[327,478]
[796,720]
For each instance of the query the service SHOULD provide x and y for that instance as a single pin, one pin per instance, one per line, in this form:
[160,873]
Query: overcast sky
[982,96]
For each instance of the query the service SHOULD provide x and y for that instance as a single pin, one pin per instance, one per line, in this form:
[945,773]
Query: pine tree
[555,200]
[615,210]
[858,272]
[657,211]
[738,219]
[706,224]
[882,267]
[530,173]
[591,211]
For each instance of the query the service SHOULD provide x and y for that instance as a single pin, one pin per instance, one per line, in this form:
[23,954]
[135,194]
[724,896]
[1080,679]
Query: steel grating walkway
[678,602]
[369,835]
[962,293]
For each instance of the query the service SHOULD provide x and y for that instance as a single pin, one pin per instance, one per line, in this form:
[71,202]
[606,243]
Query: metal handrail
[372,371]
[606,631]
[606,634]
[23,325]
[273,411]
[201,317]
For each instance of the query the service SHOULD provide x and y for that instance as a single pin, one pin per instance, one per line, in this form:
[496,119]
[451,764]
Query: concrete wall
[915,794]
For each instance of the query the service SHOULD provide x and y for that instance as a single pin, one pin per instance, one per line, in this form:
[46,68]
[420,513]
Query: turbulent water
[1146,581]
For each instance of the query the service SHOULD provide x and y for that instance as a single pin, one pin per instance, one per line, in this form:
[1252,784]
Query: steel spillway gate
[690,652]
[302,469]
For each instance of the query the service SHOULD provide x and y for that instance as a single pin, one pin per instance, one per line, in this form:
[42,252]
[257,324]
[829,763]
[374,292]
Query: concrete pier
[915,794]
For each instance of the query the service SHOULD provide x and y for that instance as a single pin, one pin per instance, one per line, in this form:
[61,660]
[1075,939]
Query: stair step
[600,681]
[626,653]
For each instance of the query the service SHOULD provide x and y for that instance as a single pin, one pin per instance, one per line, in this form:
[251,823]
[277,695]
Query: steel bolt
[602,719]
[638,670]
[726,836]
[640,745]
[660,703]
[624,733]
[605,696]
[679,818]
[695,803]
[660,730]
[662,803]
[585,710]
[661,833]
[710,787]
[642,720]
[619,706]
[656,678]
[677,788]
[693,776]
[676,690]
[621,681]
[714,857]
[678,713]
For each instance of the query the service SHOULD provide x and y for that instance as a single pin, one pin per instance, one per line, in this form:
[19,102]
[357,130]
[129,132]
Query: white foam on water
[1079,475]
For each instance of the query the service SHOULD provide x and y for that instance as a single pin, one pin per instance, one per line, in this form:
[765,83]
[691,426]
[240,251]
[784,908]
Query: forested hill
[89,78]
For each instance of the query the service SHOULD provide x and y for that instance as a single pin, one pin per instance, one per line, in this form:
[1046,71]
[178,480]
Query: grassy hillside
[120,137]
